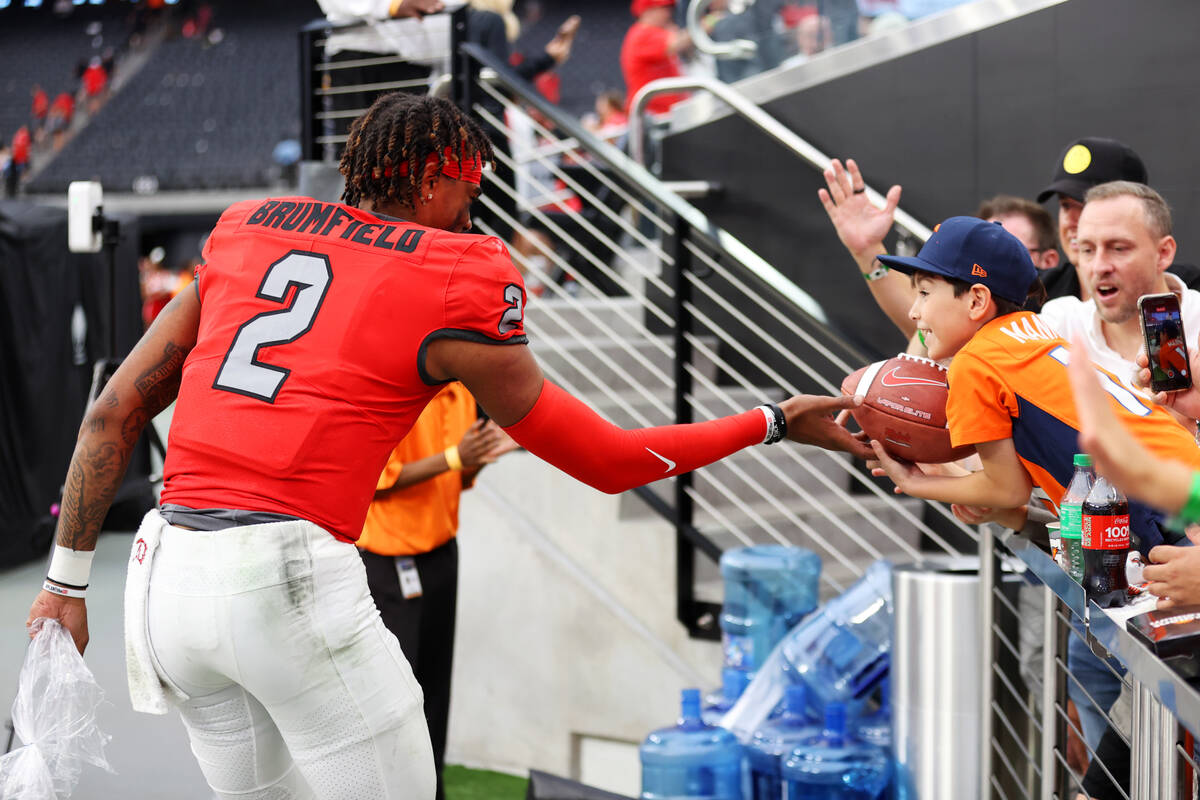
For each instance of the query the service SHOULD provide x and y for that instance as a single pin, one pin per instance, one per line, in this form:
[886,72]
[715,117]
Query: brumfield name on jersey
[327,219]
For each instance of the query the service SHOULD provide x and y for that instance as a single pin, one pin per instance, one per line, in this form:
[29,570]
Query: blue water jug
[768,589]
[840,652]
[691,761]
[875,727]
[834,766]
[843,650]
[719,701]
[775,740]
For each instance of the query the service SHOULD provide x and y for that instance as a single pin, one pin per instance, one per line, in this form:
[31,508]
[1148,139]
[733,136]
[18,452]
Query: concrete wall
[567,642]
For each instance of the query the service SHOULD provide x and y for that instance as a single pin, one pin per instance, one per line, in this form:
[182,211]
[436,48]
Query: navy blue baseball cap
[972,250]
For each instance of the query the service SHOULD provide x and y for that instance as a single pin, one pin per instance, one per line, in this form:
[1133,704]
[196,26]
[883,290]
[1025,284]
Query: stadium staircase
[670,319]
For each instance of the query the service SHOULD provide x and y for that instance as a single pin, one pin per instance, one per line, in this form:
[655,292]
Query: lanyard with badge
[410,581]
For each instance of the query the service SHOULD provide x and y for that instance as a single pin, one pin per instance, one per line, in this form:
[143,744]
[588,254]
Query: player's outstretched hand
[1174,574]
[811,420]
[71,612]
[1118,455]
[1185,403]
[859,224]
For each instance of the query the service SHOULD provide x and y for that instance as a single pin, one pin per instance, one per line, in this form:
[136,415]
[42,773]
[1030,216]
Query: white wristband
[54,588]
[769,415]
[70,567]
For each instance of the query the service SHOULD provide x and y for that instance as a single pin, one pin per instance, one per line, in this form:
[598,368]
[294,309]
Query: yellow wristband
[452,458]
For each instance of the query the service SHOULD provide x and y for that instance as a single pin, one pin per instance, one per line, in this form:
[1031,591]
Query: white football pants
[295,688]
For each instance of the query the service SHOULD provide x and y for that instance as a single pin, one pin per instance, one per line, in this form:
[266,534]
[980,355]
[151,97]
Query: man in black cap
[1085,163]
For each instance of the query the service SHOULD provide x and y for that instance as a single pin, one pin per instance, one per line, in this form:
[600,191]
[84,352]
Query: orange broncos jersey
[309,363]
[1010,381]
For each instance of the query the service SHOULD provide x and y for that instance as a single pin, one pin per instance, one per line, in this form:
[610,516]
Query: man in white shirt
[1125,246]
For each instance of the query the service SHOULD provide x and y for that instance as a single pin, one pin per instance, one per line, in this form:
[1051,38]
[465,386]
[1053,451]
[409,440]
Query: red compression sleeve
[563,431]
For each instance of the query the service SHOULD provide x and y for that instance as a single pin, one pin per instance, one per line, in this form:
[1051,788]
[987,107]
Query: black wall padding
[42,389]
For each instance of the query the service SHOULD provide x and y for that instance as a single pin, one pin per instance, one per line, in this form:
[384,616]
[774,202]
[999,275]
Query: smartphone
[1166,346]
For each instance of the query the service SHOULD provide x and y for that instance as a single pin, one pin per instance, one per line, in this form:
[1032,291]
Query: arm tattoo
[160,384]
[102,453]
[92,482]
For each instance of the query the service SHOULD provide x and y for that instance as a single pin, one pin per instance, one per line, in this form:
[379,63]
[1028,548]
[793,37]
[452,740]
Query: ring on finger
[860,190]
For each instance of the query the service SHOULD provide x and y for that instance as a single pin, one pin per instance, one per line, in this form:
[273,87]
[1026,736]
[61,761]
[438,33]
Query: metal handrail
[754,114]
[738,48]
[654,189]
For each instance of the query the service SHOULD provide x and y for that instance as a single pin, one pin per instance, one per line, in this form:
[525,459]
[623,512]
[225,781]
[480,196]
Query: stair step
[599,361]
[547,318]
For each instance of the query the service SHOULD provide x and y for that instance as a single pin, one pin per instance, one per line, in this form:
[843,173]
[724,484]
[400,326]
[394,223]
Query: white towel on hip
[150,691]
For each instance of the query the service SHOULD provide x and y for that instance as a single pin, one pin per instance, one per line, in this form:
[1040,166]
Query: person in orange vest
[409,546]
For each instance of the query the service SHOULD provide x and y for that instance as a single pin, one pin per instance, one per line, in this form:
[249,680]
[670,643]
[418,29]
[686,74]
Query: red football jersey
[309,363]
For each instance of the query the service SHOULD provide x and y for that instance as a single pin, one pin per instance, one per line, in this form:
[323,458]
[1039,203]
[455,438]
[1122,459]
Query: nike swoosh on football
[907,380]
[670,464]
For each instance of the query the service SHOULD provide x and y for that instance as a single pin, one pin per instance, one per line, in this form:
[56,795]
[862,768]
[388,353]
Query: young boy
[1009,391]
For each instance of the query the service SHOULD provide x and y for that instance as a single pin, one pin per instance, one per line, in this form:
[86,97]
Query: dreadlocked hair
[402,128]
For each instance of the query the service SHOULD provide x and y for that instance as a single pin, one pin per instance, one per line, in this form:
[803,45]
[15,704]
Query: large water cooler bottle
[774,742]
[834,765]
[768,590]
[841,652]
[691,761]
[875,727]
[718,703]
[935,679]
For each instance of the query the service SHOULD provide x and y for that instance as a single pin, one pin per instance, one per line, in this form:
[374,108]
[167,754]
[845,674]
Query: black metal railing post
[308,64]
[463,68]
[699,617]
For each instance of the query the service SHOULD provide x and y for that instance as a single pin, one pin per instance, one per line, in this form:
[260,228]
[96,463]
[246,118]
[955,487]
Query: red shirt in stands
[20,146]
[309,362]
[645,57]
[41,104]
[94,78]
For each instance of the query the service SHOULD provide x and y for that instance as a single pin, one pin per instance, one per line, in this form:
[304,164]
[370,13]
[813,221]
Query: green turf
[480,784]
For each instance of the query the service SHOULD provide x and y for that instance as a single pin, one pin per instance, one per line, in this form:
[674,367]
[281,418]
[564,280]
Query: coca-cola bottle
[1105,544]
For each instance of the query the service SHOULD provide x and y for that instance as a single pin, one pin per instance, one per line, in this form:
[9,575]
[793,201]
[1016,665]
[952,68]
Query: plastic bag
[55,714]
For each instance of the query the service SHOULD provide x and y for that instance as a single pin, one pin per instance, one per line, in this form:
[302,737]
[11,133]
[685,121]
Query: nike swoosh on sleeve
[670,464]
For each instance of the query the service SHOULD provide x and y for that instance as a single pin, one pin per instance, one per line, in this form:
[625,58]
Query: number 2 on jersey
[241,372]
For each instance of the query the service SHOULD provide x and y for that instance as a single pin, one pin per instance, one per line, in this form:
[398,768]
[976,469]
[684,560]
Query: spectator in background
[760,23]
[58,121]
[610,123]
[1173,573]
[811,31]
[651,50]
[843,19]
[18,159]
[493,25]
[1085,163]
[395,28]
[10,189]
[1029,222]
[39,107]
[409,546]
[95,85]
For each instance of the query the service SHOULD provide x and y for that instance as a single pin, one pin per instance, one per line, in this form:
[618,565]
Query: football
[904,408]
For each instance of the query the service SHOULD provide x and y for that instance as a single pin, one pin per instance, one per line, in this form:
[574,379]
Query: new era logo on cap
[978,271]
